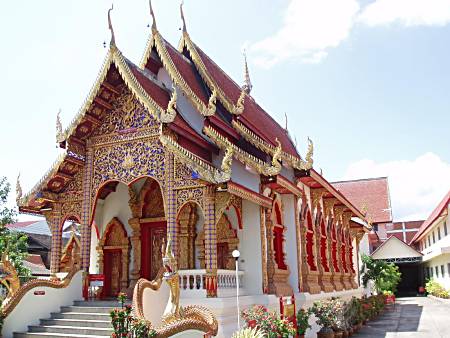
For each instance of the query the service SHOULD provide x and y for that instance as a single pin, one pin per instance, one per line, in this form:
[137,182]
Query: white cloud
[416,187]
[309,28]
[407,12]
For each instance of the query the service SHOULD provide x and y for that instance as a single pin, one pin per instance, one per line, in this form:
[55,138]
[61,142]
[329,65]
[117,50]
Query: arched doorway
[153,227]
[113,250]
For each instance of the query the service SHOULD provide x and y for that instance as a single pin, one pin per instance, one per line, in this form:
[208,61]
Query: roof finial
[113,39]
[247,87]
[153,16]
[18,189]
[59,131]
[286,125]
[182,16]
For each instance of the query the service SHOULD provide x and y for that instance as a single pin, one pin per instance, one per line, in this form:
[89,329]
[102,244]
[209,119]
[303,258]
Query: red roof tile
[433,216]
[187,72]
[159,95]
[373,192]
[254,117]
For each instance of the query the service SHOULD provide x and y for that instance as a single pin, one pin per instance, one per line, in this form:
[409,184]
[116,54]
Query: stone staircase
[84,319]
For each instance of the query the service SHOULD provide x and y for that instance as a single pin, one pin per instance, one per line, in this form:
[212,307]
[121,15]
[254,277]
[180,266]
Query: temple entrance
[113,253]
[112,270]
[222,255]
[153,236]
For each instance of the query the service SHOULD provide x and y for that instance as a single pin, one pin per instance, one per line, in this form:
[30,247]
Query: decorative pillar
[210,242]
[135,239]
[264,254]
[86,210]
[54,221]
[346,249]
[298,237]
[171,214]
[338,278]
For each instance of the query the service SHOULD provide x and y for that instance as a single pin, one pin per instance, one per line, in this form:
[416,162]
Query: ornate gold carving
[309,154]
[9,277]
[316,196]
[205,170]
[211,109]
[186,195]
[239,108]
[249,195]
[244,157]
[59,132]
[338,212]
[187,219]
[70,258]
[328,206]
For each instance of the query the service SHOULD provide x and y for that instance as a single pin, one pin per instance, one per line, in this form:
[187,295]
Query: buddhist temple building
[173,147]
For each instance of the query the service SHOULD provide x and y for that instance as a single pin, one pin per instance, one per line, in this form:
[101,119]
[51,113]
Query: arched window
[310,242]
[278,238]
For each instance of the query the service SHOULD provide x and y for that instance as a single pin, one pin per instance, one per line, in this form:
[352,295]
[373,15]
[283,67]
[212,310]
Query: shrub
[303,321]
[385,276]
[324,312]
[269,323]
[436,289]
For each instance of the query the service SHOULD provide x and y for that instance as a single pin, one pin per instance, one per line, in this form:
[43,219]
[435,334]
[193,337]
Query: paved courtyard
[412,317]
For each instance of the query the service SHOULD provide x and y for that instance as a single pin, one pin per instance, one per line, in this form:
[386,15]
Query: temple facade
[174,147]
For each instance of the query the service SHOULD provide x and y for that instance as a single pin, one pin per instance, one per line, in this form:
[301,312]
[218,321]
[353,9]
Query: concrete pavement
[412,317]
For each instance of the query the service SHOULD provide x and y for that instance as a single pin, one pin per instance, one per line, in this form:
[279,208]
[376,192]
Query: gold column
[136,247]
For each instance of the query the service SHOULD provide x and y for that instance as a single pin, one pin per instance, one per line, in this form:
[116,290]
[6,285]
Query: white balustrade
[192,282]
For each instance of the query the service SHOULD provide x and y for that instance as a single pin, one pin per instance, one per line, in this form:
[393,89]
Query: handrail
[12,302]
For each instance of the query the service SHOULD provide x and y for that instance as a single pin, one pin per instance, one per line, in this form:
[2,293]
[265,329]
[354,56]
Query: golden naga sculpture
[9,277]
[175,319]
[276,158]
[309,154]
[18,189]
[169,115]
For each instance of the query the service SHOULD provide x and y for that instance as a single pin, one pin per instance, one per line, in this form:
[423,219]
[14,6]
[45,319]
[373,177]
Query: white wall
[290,239]
[250,248]
[115,205]
[443,259]
[33,307]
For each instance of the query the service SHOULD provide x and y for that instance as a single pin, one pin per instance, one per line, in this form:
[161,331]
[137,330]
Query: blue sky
[368,81]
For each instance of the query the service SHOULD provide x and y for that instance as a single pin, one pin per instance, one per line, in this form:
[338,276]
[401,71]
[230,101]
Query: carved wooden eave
[242,156]
[157,41]
[234,108]
[249,195]
[281,185]
[258,142]
[206,171]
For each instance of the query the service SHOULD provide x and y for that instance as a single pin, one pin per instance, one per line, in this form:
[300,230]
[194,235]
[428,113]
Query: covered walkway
[412,317]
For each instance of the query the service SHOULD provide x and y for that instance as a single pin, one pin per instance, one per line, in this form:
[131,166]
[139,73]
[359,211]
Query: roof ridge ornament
[154,29]
[211,109]
[18,189]
[239,108]
[309,154]
[110,26]
[59,129]
[182,16]
[247,87]
[169,115]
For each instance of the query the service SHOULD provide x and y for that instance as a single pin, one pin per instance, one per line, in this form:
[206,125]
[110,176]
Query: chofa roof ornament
[152,15]
[113,38]
[18,189]
[247,87]
[59,129]
[182,16]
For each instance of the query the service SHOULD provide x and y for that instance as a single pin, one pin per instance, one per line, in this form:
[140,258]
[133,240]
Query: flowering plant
[303,321]
[268,322]
[324,312]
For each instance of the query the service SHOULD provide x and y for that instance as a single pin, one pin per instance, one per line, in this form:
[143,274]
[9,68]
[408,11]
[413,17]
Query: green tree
[384,275]
[12,242]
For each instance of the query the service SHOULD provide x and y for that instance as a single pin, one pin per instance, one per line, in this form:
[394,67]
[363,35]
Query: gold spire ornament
[18,189]
[152,14]
[309,154]
[169,115]
[182,16]
[227,160]
[110,26]
[247,87]
[59,129]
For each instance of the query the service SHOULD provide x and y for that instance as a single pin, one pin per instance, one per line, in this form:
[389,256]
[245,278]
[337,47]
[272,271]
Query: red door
[113,272]
[222,255]
[153,235]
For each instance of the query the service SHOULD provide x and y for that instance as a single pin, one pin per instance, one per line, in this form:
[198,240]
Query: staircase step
[80,330]
[77,323]
[87,309]
[53,335]
[99,303]
[80,316]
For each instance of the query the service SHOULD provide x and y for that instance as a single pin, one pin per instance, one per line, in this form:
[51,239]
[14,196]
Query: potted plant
[303,322]
[248,332]
[269,323]
[323,310]
[339,324]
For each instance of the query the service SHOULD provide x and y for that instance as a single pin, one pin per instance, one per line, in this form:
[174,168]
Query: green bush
[436,289]
[385,276]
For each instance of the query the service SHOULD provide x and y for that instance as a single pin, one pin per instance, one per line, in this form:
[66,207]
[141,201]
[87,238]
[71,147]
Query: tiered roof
[233,121]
